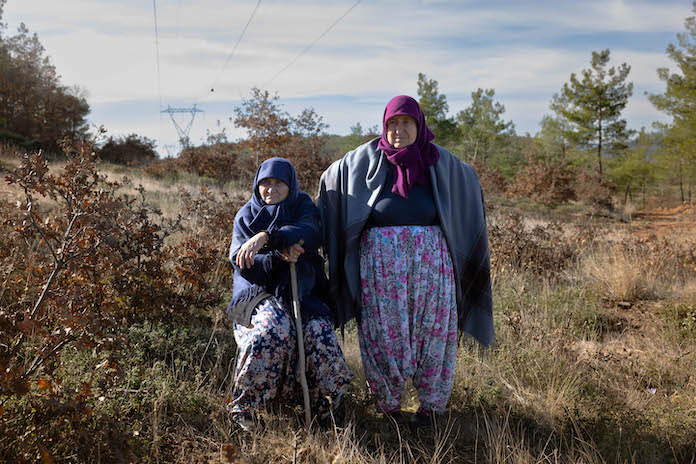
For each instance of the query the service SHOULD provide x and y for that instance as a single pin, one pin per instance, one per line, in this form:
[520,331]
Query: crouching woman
[279,225]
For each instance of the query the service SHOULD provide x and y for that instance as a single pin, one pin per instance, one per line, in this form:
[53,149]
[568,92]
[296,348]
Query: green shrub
[128,150]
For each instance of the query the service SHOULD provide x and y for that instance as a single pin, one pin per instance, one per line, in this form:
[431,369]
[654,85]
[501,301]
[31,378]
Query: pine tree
[483,130]
[435,107]
[635,168]
[593,104]
[679,101]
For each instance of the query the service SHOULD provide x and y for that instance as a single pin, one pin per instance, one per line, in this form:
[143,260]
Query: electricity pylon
[184,140]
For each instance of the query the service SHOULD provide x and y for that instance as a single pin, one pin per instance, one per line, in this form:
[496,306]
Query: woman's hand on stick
[247,252]
[292,253]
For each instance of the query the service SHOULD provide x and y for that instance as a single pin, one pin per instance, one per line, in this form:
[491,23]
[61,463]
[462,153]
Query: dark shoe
[335,417]
[396,417]
[422,419]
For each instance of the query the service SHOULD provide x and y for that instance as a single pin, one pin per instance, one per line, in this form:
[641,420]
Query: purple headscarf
[411,162]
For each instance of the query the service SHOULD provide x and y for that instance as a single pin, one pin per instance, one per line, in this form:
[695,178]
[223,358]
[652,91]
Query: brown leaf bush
[80,264]
[492,181]
[543,251]
[222,162]
[273,132]
[547,182]
[593,190]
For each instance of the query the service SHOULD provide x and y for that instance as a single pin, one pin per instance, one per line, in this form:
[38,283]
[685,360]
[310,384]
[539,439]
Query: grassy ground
[594,361]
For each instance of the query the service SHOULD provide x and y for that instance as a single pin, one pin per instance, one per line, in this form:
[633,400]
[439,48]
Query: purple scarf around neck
[411,162]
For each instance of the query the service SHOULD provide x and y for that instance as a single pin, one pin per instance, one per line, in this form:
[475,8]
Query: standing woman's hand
[245,256]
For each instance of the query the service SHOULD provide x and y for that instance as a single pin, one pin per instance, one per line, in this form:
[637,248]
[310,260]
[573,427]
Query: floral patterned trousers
[268,367]
[408,326]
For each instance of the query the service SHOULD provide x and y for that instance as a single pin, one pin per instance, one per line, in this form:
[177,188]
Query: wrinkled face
[273,190]
[402,130]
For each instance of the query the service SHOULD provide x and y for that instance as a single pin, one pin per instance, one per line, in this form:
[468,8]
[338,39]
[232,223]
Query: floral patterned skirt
[268,367]
[408,325]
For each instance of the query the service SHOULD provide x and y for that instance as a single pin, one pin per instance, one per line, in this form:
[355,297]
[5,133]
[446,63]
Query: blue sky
[525,50]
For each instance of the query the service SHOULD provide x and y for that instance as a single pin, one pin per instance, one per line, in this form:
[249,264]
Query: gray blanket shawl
[348,190]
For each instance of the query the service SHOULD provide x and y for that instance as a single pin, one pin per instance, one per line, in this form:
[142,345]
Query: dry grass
[481,437]
[167,196]
[621,274]
[573,378]
[9,159]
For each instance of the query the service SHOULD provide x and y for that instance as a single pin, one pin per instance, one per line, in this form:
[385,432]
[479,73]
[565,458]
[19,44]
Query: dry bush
[543,251]
[637,269]
[492,181]
[77,274]
[593,190]
[208,227]
[305,155]
[223,162]
[548,182]
[163,169]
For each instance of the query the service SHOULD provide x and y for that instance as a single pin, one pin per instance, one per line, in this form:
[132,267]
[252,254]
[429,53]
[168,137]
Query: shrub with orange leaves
[81,263]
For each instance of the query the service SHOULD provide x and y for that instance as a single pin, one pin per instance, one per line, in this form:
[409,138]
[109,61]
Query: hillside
[594,358]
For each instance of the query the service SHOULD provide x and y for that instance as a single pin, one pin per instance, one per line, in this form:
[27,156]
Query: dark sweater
[394,210]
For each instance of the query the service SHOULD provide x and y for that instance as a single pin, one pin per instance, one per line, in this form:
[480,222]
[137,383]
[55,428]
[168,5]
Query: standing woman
[405,233]
[280,225]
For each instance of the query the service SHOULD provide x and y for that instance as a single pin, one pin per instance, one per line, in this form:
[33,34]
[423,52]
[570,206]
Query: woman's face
[273,190]
[402,130]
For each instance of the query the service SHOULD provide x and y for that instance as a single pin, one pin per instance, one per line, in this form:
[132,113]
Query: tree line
[36,110]
[585,123]
[585,139]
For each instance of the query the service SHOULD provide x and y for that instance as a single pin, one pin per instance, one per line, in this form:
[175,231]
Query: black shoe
[335,417]
[396,417]
[421,420]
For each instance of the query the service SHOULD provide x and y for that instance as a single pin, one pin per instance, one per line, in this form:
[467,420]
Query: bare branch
[39,360]
[38,228]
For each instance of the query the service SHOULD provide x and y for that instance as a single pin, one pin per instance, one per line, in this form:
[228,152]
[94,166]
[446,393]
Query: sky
[525,50]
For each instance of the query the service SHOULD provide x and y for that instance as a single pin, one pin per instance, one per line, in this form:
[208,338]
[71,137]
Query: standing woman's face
[273,190]
[402,130]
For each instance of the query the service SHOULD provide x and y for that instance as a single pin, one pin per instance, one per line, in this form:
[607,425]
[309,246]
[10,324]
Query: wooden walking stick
[300,344]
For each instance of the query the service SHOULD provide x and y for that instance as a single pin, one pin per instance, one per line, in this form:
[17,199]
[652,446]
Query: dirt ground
[678,222]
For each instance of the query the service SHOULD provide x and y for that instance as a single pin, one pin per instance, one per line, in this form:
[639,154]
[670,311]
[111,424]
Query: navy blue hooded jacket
[287,222]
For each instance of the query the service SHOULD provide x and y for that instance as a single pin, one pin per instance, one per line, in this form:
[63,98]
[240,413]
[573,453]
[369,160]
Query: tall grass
[622,274]
[572,378]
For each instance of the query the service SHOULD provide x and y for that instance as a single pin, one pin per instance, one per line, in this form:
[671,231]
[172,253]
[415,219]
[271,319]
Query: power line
[229,57]
[159,80]
[178,17]
[312,44]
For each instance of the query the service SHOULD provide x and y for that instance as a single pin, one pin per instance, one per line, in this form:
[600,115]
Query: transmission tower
[171,149]
[183,132]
